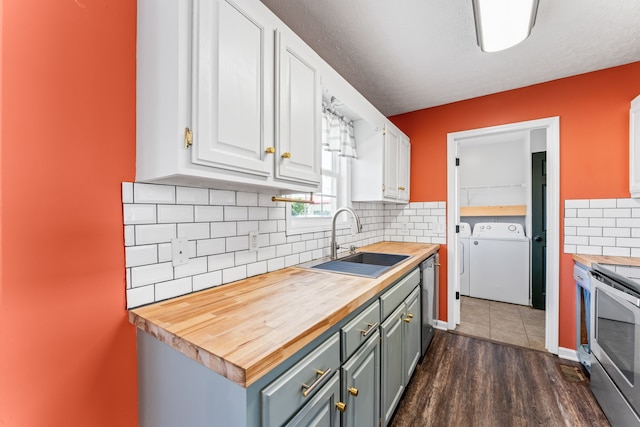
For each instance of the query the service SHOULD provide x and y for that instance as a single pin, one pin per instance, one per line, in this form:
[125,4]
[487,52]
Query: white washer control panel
[498,230]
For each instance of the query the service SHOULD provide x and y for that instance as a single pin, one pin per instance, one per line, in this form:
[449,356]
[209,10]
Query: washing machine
[499,263]
[463,253]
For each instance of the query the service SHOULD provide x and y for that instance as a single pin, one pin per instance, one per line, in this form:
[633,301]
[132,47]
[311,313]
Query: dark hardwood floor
[465,381]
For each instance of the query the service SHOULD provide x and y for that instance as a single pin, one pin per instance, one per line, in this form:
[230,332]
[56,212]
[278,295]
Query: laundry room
[501,187]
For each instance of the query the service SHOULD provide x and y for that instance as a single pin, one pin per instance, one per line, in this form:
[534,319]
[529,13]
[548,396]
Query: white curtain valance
[338,134]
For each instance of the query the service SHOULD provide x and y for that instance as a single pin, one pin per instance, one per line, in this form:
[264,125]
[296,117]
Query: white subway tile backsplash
[221,261]
[222,198]
[217,223]
[141,255]
[576,240]
[628,242]
[173,288]
[209,213]
[157,233]
[239,243]
[137,297]
[127,192]
[570,213]
[602,203]
[617,232]
[570,249]
[152,193]
[589,213]
[628,222]
[576,222]
[198,230]
[148,274]
[246,199]
[210,247]
[174,213]
[234,273]
[139,214]
[617,213]
[602,241]
[589,231]
[207,280]
[628,203]
[193,267]
[602,222]
[576,204]
[256,268]
[236,213]
[129,235]
[615,251]
[192,196]
[589,250]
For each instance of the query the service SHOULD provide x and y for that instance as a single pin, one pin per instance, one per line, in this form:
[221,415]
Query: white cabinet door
[232,86]
[404,162]
[298,112]
[634,148]
[391,144]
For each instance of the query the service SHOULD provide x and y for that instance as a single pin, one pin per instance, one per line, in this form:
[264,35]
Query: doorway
[550,127]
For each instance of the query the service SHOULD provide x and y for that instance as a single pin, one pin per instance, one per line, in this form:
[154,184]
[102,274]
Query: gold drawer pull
[306,389]
[353,391]
[370,328]
[269,150]
[286,155]
[341,406]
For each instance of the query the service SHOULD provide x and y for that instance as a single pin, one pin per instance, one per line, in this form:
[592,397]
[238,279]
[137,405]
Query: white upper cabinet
[232,88]
[298,106]
[381,172]
[634,148]
[207,86]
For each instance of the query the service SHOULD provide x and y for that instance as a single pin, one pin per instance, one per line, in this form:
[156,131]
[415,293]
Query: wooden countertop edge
[247,375]
[589,260]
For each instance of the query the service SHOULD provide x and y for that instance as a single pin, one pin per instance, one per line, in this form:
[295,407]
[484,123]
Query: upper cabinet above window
[225,96]
[382,170]
[634,148]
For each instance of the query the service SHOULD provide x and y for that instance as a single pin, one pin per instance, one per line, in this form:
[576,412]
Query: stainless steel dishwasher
[429,275]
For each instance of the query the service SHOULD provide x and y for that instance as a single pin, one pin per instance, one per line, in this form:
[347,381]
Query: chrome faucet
[334,244]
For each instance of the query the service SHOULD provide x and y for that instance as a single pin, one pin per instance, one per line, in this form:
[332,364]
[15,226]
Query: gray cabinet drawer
[358,330]
[391,299]
[321,410]
[284,397]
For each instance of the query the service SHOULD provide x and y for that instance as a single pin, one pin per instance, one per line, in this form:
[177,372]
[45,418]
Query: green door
[539,229]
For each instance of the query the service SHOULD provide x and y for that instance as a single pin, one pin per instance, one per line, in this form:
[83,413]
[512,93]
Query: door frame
[552,126]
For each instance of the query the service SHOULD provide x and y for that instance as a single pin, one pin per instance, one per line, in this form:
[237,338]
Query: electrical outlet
[253,241]
[179,251]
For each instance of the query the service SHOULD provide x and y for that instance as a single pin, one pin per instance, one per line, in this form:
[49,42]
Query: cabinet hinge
[457,228]
[188,138]
[457,295]
[383,187]
[384,131]
[457,161]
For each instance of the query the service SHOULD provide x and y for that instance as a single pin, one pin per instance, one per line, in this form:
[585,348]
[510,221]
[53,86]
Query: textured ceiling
[412,54]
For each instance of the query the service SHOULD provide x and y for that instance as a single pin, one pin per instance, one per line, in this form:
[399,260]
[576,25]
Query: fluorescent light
[501,24]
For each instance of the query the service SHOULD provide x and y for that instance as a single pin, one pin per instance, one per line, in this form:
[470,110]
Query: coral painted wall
[67,351]
[594,147]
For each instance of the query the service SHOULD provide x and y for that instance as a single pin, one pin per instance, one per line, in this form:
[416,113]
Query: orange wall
[67,142]
[594,147]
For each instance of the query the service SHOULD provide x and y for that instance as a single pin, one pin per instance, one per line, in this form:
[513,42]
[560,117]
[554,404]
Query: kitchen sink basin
[367,264]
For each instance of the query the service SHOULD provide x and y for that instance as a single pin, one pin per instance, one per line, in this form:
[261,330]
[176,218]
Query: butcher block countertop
[244,329]
[587,260]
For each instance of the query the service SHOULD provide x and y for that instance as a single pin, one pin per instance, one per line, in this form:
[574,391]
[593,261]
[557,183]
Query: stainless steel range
[615,342]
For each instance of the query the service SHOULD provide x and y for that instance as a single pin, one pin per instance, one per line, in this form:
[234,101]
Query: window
[305,217]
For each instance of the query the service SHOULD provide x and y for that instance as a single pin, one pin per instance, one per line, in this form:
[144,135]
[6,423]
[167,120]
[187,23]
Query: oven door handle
[616,293]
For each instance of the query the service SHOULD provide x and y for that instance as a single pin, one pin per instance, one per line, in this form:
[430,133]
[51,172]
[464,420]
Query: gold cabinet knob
[401,188]
[410,316]
[286,155]
[341,406]
[270,150]
[353,391]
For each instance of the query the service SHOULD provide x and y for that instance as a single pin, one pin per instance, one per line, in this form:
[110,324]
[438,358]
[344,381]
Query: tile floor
[499,321]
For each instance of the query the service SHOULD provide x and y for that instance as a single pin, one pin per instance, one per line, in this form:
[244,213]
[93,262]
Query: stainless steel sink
[366,264]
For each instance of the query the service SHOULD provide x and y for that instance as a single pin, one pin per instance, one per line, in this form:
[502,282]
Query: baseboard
[442,325]
[567,353]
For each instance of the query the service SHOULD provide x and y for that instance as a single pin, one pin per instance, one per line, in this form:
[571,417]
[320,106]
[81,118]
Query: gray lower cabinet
[292,394]
[400,352]
[321,410]
[361,385]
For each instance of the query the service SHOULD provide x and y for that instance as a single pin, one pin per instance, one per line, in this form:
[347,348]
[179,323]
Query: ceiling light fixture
[501,24]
